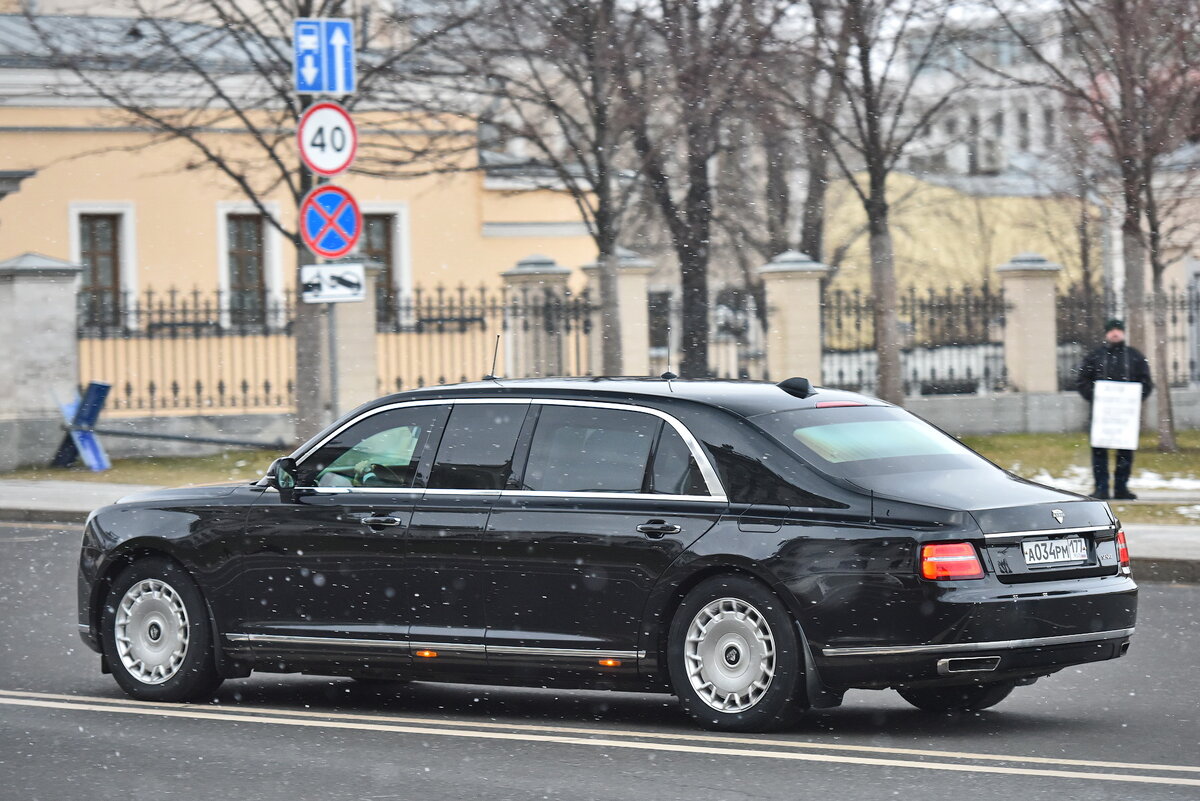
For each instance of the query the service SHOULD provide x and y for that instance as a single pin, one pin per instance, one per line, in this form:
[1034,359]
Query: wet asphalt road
[1126,729]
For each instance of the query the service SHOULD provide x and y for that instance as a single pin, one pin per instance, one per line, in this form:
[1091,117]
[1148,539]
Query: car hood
[182,494]
[998,501]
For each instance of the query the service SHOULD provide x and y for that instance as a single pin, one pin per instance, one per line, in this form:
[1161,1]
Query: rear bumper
[969,662]
[981,631]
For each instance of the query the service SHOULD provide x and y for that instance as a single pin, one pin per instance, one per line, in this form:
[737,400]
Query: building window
[1023,130]
[378,246]
[1048,127]
[998,125]
[247,269]
[100,255]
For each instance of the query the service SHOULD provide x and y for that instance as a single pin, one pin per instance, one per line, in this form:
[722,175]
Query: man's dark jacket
[1117,362]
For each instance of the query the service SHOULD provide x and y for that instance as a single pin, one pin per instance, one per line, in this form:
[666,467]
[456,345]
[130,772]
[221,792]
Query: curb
[43,516]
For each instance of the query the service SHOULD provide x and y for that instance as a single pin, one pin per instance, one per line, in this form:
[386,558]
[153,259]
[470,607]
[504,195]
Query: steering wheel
[368,473]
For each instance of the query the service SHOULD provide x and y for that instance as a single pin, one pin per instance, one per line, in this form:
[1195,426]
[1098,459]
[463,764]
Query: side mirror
[282,476]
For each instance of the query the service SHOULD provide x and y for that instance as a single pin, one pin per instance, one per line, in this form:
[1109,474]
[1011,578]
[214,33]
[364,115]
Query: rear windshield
[858,441]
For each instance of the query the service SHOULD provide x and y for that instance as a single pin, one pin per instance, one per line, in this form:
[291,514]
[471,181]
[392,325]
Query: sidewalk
[1159,552]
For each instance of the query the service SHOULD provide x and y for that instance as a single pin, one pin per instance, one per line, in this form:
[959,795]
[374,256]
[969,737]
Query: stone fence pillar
[353,338]
[535,341]
[633,288]
[793,290]
[41,368]
[1031,323]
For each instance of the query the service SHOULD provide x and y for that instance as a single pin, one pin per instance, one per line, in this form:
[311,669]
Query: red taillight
[1122,549]
[945,561]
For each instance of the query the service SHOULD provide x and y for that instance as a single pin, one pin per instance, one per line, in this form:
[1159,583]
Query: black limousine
[755,549]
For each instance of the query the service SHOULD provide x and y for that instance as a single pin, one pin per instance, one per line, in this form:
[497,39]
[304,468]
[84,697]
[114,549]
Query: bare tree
[1129,65]
[548,70]
[687,70]
[216,74]
[880,52]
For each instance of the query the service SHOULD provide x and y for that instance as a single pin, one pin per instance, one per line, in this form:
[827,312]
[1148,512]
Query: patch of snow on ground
[1146,479]
[1076,479]
[1189,511]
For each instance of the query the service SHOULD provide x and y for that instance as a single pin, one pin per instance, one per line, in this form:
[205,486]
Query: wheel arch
[659,616]
[127,554]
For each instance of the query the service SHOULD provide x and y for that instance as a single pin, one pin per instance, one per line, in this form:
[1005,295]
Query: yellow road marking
[649,735]
[487,734]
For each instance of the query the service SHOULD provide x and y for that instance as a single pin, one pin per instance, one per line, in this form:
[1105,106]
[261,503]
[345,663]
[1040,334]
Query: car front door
[325,572]
[609,497]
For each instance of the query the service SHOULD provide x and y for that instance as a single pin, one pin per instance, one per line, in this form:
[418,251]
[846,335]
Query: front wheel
[156,636]
[958,698]
[734,656]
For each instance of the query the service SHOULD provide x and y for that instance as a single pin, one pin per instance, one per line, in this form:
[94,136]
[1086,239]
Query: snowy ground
[1078,478]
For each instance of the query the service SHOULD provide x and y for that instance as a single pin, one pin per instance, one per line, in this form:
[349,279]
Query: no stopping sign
[327,137]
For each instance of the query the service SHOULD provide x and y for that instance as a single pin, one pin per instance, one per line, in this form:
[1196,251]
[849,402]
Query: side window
[748,479]
[675,470]
[382,450]
[582,449]
[477,448]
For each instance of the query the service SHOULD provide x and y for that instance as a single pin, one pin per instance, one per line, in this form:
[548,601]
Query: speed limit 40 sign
[328,139]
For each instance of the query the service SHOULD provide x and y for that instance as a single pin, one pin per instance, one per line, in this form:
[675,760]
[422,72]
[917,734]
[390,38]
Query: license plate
[1053,552]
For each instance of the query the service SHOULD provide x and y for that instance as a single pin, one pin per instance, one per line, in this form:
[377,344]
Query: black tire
[772,702]
[957,698]
[166,651]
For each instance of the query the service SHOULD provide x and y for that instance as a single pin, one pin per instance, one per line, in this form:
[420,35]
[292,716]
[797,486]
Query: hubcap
[151,631]
[730,655]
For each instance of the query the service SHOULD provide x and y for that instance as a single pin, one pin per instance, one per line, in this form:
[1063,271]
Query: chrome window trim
[711,480]
[1033,642]
[1039,532]
[641,496]
[410,645]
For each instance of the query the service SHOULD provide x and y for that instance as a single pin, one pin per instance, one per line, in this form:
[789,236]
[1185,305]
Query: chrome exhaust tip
[967,664]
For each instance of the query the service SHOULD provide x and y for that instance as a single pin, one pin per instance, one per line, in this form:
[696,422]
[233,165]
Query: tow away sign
[332,283]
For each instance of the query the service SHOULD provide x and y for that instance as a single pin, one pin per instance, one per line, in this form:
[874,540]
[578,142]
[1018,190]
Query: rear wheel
[960,698]
[156,635]
[734,656]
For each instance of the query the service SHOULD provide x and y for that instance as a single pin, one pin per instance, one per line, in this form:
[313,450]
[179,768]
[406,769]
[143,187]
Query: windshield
[859,441]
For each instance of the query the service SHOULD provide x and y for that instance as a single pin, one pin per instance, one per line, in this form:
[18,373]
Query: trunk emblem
[1058,515]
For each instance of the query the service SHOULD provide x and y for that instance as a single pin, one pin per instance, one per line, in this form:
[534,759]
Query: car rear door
[609,497]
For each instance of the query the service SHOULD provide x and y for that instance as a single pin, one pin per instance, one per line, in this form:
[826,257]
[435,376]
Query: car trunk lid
[1049,541]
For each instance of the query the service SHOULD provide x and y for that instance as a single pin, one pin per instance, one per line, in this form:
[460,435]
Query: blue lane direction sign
[323,56]
[330,222]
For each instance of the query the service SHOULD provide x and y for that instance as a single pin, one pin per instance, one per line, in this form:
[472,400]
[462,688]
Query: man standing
[1113,361]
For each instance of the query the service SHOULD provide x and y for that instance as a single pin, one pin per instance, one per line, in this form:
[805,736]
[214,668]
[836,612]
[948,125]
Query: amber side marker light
[610,663]
[427,654]
[950,561]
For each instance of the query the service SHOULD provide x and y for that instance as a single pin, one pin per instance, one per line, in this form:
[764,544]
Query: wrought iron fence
[443,336]
[1083,310]
[951,340]
[218,352]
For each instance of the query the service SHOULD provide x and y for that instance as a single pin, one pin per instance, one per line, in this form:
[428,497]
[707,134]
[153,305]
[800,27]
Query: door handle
[386,520]
[658,528]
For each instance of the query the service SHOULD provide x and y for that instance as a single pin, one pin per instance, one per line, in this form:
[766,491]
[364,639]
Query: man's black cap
[1114,323]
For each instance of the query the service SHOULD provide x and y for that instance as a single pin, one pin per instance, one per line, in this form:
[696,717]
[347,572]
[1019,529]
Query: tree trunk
[693,266]
[889,383]
[779,201]
[1134,254]
[812,223]
[1161,370]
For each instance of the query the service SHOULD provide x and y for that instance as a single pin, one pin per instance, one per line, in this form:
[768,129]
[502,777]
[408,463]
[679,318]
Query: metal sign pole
[333,359]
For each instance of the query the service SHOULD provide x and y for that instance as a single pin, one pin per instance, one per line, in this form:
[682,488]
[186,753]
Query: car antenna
[491,376]
[668,375]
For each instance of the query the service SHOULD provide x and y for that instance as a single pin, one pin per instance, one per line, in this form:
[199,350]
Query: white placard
[1116,414]
[332,283]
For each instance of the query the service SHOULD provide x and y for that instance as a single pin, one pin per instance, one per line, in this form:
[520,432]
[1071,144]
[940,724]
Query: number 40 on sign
[327,138]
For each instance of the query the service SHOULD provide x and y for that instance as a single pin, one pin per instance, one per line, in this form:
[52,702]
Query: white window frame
[272,257]
[402,283]
[127,270]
